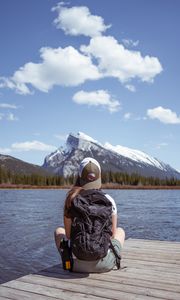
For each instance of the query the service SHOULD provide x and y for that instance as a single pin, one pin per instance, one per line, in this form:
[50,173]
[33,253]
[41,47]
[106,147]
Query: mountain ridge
[18,166]
[65,160]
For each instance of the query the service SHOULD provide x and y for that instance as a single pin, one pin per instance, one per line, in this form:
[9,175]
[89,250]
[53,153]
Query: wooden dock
[151,271]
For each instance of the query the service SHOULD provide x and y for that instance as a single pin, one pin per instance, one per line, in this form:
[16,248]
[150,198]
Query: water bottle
[66,255]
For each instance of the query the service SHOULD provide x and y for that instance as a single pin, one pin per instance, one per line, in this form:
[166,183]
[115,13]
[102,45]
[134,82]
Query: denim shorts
[104,264]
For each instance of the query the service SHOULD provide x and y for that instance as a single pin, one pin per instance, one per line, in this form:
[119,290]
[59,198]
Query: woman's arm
[114,224]
[114,214]
[67,226]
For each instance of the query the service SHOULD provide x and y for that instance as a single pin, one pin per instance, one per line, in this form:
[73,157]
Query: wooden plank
[127,263]
[5,298]
[159,266]
[90,283]
[11,293]
[53,293]
[152,258]
[152,251]
[151,248]
[167,256]
[154,246]
[170,277]
[163,277]
[73,290]
[109,279]
[152,241]
[138,269]
[149,243]
[172,255]
[154,277]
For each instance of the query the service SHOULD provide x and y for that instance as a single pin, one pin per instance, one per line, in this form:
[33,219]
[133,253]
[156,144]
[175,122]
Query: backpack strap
[117,256]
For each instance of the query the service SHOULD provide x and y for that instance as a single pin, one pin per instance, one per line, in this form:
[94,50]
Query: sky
[108,69]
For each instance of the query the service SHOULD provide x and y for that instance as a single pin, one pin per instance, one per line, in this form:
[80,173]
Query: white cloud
[78,20]
[14,84]
[164,115]
[127,116]
[11,117]
[97,98]
[116,61]
[130,43]
[130,87]
[33,145]
[8,117]
[64,67]
[7,105]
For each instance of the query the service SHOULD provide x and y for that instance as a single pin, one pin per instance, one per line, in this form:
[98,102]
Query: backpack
[91,227]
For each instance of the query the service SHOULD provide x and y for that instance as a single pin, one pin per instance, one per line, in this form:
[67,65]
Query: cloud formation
[33,145]
[103,57]
[164,115]
[8,117]
[7,105]
[130,87]
[28,146]
[11,117]
[78,20]
[97,98]
[127,115]
[59,66]
[116,61]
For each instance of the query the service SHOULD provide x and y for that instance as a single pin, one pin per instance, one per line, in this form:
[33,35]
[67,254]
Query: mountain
[65,160]
[17,166]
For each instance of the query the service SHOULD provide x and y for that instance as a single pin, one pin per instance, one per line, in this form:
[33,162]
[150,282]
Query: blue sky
[106,68]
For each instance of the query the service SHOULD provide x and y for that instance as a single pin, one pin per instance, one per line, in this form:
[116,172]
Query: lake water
[28,219]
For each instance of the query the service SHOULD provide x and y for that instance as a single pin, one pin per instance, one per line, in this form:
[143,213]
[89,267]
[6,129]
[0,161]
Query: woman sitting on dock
[90,220]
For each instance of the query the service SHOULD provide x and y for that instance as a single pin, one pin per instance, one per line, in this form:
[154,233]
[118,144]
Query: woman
[89,178]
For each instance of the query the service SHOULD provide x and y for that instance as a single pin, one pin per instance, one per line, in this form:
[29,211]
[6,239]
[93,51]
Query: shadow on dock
[57,271]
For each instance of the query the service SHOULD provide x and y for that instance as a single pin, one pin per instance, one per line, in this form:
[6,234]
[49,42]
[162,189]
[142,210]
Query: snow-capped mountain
[65,160]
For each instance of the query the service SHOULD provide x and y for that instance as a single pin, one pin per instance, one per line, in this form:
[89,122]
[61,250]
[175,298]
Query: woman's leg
[120,235]
[59,234]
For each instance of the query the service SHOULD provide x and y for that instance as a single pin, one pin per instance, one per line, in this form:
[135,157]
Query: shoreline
[104,186]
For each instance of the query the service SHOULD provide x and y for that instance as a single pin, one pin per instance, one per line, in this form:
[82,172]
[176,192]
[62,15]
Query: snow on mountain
[86,137]
[135,155]
[66,159]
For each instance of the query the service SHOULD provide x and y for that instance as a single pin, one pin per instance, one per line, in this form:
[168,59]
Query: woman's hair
[74,191]
[89,177]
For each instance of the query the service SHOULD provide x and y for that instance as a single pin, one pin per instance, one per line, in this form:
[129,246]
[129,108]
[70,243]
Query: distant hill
[17,166]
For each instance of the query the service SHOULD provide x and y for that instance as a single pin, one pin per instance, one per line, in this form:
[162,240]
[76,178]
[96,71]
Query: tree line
[8,177]
[134,179]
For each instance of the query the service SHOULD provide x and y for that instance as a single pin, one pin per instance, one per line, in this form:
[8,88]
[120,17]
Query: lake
[28,219]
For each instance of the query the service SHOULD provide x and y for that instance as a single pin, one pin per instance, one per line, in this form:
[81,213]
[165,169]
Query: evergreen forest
[9,178]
